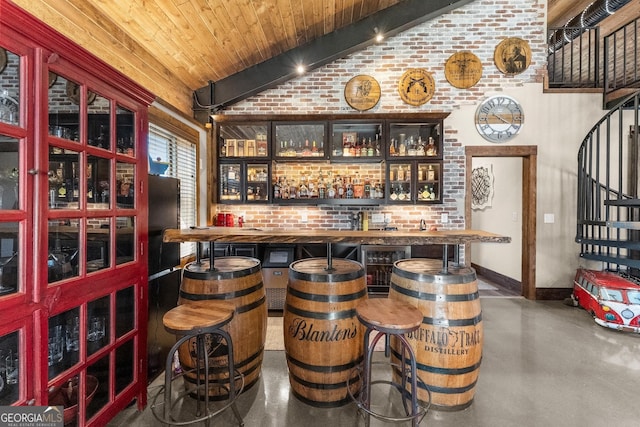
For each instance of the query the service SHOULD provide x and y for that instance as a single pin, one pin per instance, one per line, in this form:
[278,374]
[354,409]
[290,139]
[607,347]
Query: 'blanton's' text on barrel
[322,336]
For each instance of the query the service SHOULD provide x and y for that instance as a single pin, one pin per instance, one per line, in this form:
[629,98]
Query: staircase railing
[574,57]
[621,58]
[608,208]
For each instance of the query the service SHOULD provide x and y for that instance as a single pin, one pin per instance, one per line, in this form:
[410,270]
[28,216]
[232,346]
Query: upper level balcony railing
[621,52]
[574,57]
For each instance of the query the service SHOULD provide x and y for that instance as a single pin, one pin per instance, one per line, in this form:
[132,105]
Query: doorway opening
[529,156]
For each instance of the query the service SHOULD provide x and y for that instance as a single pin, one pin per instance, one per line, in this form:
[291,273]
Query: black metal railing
[574,57]
[621,52]
[608,208]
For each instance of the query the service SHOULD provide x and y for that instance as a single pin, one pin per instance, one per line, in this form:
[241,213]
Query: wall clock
[499,118]
[3,59]
[416,86]
[512,55]
[362,92]
[463,70]
[9,109]
[73,92]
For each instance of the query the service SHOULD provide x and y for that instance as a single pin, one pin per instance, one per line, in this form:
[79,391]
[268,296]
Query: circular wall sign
[416,86]
[463,70]
[362,92]
[512,56]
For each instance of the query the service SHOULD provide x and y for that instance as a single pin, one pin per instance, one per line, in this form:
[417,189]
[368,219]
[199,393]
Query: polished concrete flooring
[544,364]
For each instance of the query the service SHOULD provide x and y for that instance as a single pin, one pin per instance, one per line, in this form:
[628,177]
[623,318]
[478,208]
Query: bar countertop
[371,237]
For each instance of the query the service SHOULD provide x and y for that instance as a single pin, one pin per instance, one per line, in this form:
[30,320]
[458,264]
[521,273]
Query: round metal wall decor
[416,86]
[362,92]
[512,56]
[463,70]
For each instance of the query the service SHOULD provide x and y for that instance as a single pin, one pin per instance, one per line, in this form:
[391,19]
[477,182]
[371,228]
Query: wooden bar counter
[371,237]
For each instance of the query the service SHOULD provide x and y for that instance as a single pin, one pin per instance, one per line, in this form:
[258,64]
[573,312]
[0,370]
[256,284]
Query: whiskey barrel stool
[236,280]
[389,318]
[448,345]
[322,336]
[198,320]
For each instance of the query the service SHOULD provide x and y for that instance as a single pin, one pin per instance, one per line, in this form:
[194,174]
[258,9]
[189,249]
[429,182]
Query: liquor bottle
[402,149]
[314,149]
[293,189]
[276,189]
[431,173]
[431,149]
[370,149]
[392,148]
[306,151]
[322,188]
[223,149]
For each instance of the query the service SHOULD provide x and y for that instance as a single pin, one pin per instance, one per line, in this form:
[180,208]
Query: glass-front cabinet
[72,266]
[400,187]
[295,141]
[364,159]
[244,182]
[428,182]
[243,140]
[355,141]
[415,140]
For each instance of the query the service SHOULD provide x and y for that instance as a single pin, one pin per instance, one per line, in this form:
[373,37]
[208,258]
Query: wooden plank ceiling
[174,47]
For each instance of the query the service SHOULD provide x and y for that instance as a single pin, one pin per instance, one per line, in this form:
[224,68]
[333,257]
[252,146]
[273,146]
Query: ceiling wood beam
[319,52]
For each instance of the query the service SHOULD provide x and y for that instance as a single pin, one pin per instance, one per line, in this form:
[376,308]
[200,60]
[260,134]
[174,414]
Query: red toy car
[612,300]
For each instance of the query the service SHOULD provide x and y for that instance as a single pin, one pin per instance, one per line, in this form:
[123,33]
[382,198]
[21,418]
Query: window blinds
[181,155]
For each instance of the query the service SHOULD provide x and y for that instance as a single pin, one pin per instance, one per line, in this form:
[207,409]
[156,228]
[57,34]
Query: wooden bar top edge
[372,237]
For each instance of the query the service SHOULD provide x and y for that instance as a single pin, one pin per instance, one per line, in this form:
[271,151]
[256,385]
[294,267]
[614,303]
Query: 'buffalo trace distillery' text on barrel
[237,280]
[448,344]
[322,335]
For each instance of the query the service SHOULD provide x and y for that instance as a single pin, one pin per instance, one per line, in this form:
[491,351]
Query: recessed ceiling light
[300,69]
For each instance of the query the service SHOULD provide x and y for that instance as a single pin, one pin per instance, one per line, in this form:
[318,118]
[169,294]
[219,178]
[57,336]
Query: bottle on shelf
[431,149]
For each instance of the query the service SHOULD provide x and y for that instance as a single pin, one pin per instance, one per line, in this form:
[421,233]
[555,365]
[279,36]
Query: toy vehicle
[612,300]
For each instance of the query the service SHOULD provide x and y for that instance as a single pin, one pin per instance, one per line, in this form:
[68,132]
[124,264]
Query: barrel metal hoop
[323,386]
[427,296]
[443,323]
[206,274]
[253,305]
[319,404]
[225,296]
[333,315]
[333,298]
[460,277]
[325,369]
[443,390]
[440,370]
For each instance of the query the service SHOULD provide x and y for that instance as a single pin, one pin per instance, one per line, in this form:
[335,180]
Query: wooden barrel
[237,280]
[323,338]
[448,344]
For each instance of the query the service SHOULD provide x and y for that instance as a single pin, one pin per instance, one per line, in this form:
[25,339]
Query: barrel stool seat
[199,320]
[390,318]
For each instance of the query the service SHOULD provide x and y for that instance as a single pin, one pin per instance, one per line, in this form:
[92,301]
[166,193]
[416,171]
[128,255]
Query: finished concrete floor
[544,364]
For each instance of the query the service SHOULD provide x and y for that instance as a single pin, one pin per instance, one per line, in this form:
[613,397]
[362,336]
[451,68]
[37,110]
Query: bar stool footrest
[403,392]
[195,389]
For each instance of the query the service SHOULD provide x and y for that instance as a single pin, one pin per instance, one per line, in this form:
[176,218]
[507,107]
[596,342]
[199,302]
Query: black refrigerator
[164,267]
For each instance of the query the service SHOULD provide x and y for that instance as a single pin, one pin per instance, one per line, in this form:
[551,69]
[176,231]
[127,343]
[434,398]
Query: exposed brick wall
[478,27]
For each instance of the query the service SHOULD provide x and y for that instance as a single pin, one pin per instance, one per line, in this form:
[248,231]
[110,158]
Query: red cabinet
[73,226]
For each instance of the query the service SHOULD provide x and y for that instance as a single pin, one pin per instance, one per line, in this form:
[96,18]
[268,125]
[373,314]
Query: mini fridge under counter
[378,264]
[275,273]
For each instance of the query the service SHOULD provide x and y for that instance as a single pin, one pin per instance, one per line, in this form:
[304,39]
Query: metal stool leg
[232,374]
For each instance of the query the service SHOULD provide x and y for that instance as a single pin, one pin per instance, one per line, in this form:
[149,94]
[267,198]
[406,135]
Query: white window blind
[181,155]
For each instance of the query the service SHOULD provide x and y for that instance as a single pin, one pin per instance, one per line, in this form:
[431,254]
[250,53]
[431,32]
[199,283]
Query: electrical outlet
[387,218]
[303,218]
[444,218]
[377,218]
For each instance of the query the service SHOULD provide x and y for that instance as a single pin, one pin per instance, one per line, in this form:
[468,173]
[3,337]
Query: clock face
[9,110]
[499,118]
